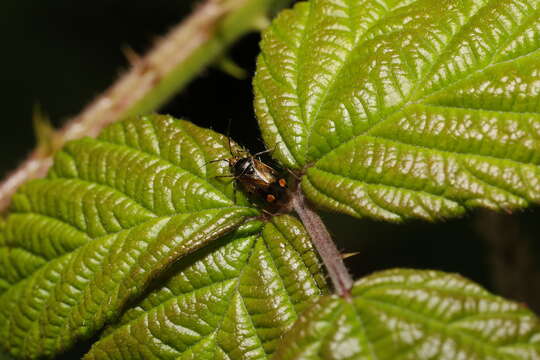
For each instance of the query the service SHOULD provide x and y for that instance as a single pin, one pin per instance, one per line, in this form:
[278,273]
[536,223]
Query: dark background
[62,53]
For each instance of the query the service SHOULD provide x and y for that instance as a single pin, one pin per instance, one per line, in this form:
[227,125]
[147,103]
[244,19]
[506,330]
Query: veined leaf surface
[232,301]
[405,108]
[411,314]
[113,214]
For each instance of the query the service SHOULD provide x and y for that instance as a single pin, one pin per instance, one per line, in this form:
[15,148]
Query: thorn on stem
[228,66]
[43,130]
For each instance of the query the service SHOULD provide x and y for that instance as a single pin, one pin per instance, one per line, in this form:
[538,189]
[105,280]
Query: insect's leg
[216,160]
[267,215]
[263,152]
[293,174]
[225,176]
[213,161]
[267,150]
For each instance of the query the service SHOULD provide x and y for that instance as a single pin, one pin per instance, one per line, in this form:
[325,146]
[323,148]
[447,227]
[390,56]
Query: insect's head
[242,166]
[236,154]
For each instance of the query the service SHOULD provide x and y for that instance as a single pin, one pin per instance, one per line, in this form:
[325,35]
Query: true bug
[258,179]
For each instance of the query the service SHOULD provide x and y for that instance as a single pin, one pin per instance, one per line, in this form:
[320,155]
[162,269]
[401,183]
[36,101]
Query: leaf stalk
[323,242]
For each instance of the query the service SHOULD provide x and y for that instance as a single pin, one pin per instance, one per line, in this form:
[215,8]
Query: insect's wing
[264,172]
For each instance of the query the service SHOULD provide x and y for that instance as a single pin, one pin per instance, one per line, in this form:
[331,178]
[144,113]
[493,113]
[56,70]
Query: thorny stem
[331,257]
[177,58]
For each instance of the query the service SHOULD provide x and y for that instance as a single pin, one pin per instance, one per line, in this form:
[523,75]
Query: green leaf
[411,314]
[232,300]
[406,108]
[113,214]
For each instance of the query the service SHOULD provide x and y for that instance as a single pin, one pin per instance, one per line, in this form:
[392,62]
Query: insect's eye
[270,198]
[282,183]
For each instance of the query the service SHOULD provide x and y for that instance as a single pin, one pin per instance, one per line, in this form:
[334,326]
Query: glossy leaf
[406,108]
[113,214]
[410,314]
[233,300]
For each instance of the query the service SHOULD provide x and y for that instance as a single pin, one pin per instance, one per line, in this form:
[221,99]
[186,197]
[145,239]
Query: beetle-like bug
[258,179]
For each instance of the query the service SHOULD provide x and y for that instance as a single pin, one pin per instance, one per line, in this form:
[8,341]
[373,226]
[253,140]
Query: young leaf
[406,108]
[411,314]
[112,215]
[233,300]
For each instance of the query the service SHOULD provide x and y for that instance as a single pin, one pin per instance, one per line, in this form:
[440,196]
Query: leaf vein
[167,161]
[400,311]
[399,188]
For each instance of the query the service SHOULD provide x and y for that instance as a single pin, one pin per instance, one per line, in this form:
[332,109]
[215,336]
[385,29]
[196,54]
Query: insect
[258,179]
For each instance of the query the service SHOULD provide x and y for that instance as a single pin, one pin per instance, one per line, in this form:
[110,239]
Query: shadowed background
[62,54]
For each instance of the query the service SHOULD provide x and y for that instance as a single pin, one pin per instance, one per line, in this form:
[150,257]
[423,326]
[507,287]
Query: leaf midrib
[71,253]
[59,338]
[173,298]
[440,325]
[367,133]
[355,45]
[235,292]
[441,195]
[413,98]
[172,165]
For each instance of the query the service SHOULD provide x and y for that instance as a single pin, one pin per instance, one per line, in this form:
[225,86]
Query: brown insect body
[259,179]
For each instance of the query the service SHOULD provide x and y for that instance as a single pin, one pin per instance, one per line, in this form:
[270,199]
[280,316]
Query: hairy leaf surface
[113,214]
[233,300]
[406,108]
[411,314]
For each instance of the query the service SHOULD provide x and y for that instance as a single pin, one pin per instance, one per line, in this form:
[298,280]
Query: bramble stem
[331,257]
[189,47]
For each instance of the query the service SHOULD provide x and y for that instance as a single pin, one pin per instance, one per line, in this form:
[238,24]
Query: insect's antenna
[229,136]
[263,152]
[213,161]
[267,150]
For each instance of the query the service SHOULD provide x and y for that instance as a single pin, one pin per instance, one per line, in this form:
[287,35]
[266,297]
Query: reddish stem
[331,257]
